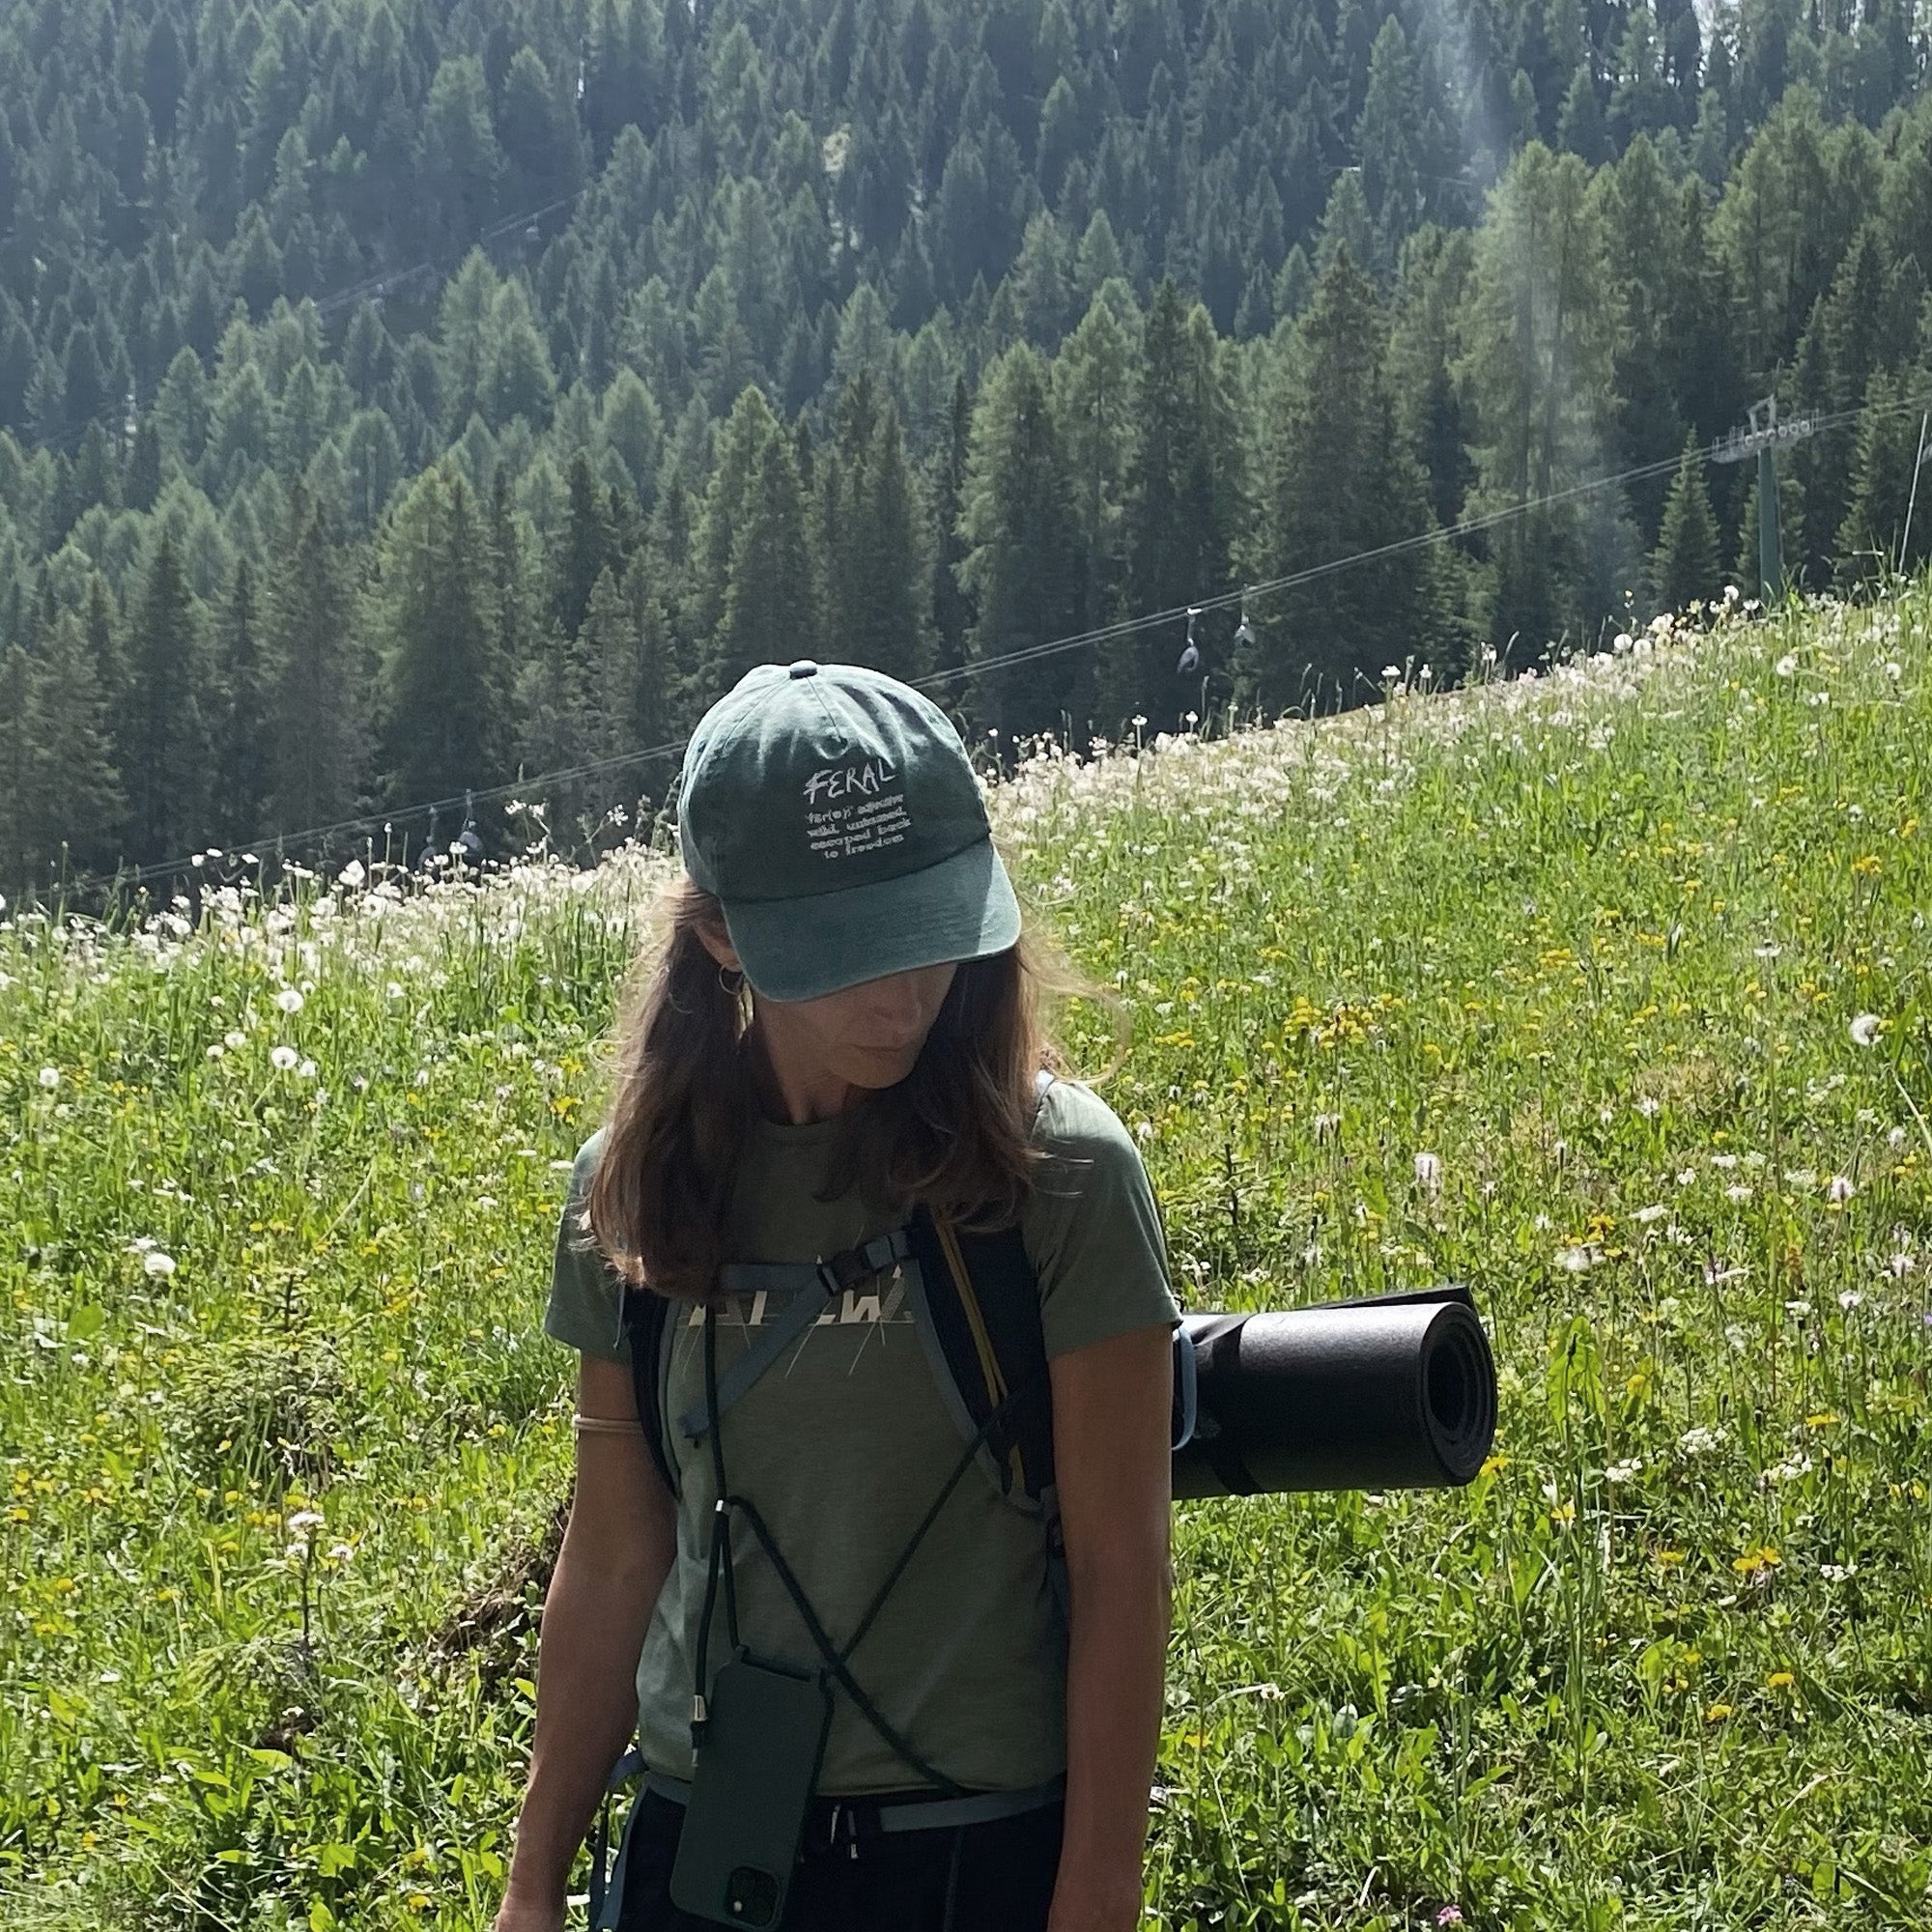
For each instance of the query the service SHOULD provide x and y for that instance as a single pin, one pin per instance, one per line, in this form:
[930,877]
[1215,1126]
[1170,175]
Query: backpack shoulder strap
[645,1316]
[981,1302]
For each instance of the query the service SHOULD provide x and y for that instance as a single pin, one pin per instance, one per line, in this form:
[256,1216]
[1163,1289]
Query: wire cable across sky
[539,783]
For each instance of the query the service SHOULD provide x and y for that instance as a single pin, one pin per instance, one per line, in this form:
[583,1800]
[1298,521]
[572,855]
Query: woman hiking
[898,1681]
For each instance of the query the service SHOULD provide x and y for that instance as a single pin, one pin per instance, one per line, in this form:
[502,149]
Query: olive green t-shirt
[845,1441]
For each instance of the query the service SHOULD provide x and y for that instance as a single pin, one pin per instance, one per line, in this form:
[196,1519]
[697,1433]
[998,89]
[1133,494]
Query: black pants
[979,1878]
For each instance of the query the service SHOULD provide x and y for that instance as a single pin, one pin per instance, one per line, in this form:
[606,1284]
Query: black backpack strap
[982,1300]
[645,1315]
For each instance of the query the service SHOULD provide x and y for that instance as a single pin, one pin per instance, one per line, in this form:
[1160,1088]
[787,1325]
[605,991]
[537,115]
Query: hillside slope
[1635,952]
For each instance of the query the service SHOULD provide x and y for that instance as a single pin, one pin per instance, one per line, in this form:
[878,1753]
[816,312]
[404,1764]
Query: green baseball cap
[832,811]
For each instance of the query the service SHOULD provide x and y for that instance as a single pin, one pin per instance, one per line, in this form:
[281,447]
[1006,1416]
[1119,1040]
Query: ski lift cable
[1126,627]
[540,782]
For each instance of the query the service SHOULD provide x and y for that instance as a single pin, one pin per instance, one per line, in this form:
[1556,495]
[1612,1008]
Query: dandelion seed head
[290,1000]
[1865,1029]
[50,1077]
[283,1058]
[156,1263]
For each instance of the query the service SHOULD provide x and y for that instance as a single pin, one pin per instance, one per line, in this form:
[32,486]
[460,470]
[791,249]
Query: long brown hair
[953,1135]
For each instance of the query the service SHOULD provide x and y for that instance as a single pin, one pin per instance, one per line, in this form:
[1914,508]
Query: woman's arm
[1111,1409]
[618,1550]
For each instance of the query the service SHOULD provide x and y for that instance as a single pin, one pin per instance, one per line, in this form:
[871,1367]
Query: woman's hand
[1112,1405]
[521,1913]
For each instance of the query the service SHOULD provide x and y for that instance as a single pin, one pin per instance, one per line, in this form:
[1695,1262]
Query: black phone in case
[756,1773]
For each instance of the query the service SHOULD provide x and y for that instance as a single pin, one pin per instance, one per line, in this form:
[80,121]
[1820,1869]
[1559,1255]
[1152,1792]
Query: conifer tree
[315,712]
[510,543]
[435,627]
[70,798]
[17,859]
[586,551]
[1022,563]
[770,613]
[951,607]
[575,707]
[243,732]
[1874,538]
[1336,478]
[741,444]
[1094,378]
[164,753]
[110,660]
[871,539]
[1685,567]
[1183,514]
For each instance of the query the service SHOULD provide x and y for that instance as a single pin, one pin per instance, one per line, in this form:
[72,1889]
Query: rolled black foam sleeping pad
[1394,1392]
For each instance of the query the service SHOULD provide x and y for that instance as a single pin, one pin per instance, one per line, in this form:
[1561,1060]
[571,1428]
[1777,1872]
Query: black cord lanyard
[837,1662]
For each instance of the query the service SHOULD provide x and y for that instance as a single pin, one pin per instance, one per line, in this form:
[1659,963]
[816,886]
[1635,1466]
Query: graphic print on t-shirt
[852,1320]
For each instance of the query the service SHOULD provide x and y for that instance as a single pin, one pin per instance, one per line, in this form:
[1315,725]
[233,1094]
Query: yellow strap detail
[983,1342]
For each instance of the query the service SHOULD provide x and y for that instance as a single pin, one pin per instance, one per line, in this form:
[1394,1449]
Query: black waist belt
[863,1817]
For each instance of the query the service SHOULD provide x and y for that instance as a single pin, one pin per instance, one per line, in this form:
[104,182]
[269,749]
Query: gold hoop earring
[726,984]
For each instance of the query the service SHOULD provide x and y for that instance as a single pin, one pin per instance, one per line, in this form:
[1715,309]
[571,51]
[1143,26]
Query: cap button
[805,667]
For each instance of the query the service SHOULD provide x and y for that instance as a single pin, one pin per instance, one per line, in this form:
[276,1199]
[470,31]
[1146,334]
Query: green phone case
[764,1737]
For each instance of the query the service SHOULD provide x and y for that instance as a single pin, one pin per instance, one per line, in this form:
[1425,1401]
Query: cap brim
[803,948]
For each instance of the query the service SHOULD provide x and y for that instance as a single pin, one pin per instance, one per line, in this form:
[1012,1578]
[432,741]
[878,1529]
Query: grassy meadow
[1603,991]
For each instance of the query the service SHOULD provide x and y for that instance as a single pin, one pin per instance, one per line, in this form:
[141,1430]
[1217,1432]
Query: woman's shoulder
[1076,1123]
[584,1166]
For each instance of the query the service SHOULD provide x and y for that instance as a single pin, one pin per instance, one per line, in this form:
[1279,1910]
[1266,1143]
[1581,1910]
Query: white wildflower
[290,1000]
[1849,1299]
[283,1058]
[1800,1311]
[1685,1176]
[1895,1138]
[1701,1442]
[50,1077]
[1839,1190]
[1624,1472]
[157,1263]
[1785,666]
[1656,1211]
[1429,1173]
[234,1041]
[1865,1029]
[1738,1193]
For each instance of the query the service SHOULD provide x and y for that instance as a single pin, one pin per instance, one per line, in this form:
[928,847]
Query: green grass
[1596,941]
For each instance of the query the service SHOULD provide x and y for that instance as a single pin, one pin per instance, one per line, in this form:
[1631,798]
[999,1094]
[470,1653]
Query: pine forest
[412,402]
